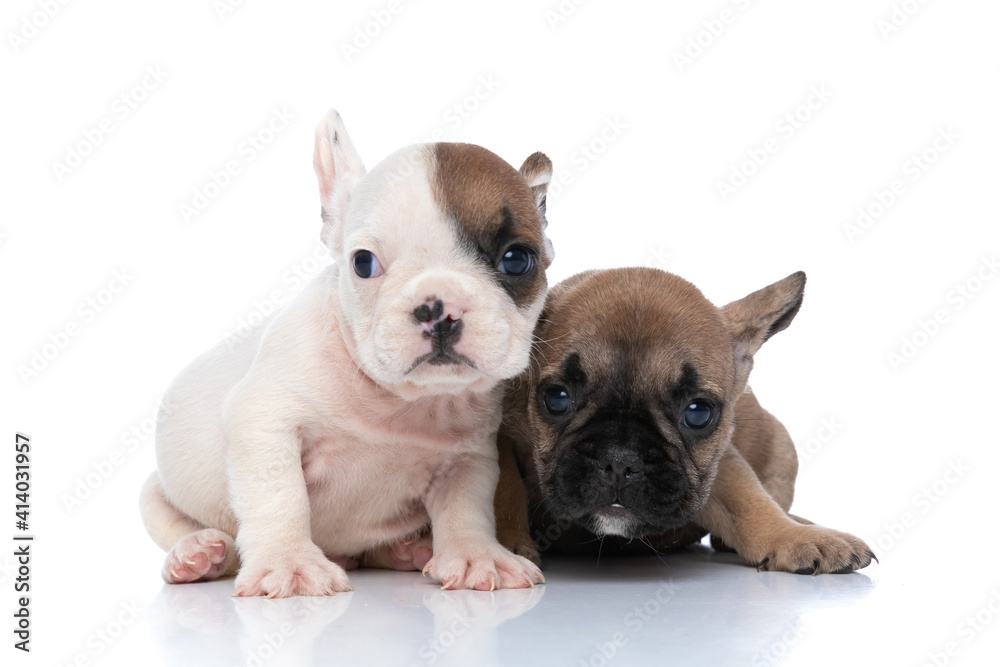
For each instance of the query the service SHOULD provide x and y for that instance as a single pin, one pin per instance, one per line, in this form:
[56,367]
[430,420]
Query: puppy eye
[557,400]
[516,261]
[366,265]
[697,414]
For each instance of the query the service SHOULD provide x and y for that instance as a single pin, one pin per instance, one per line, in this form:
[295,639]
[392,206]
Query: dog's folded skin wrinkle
[637,350]
[368,408]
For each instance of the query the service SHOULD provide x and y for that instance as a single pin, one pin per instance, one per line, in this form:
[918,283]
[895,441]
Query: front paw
[812,549]
[290,572]
[482,567]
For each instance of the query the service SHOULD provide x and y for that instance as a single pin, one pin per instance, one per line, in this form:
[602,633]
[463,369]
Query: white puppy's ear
[338,168]
[756,317]
[537,170]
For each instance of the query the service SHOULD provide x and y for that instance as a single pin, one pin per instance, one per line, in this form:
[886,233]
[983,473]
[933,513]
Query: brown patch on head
[492,208]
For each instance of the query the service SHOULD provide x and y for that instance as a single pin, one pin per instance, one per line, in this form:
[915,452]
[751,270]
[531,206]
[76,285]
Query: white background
[662,134]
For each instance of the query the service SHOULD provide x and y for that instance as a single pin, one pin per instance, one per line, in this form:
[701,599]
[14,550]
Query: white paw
[199,556]
[482,567]
[297,571]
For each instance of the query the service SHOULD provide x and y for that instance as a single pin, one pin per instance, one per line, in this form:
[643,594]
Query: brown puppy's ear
[537,170]
[758,316]
[338,169]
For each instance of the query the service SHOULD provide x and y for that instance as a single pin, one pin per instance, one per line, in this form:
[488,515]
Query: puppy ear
[537,170]
[338,169]
[758,316]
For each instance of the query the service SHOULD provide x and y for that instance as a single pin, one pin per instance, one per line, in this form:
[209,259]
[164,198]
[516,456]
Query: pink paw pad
[199,556]
[411,554]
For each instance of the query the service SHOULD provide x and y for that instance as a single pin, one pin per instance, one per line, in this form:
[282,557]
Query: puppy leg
[765,444]
[742,513]
[275,540]
[194,552]
[511,506]
[466,551]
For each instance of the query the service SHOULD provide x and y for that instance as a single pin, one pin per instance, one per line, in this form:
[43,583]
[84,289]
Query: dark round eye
[697,414]
[516,261]
[557,400]
[366,265]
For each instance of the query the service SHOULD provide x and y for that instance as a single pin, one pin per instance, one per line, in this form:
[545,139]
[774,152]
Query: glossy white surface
[697,606]
[693,607]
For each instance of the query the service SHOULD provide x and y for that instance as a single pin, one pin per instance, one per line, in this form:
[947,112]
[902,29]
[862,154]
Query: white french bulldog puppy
[368,407]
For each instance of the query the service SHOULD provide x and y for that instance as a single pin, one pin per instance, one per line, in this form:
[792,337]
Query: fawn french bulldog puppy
[634,420]
[368,407]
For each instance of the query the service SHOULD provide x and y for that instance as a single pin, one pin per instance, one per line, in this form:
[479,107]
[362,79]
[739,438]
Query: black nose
[429,311]
[440,328]
[620,468]
[446,331]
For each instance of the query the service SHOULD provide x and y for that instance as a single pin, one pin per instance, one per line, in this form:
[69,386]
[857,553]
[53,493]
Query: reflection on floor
[692,603]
